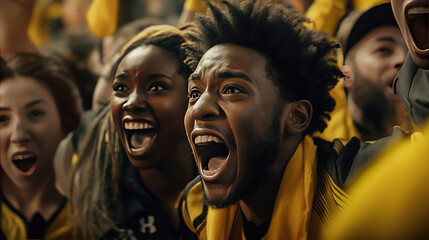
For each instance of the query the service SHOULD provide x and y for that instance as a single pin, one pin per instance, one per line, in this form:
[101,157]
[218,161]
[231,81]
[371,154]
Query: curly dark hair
[55,77]
[299,60]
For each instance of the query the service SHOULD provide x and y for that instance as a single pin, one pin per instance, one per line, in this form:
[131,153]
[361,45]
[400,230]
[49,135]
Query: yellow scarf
[292,208]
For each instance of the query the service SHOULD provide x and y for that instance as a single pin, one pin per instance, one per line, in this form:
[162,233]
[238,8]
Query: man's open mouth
[212,153]
[24,162]
[418,23]
[139,135]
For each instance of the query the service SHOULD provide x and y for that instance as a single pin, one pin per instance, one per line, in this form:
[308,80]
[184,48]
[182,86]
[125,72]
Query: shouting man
[260,88]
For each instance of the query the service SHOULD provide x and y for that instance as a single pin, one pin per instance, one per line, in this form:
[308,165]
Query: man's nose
[206,107]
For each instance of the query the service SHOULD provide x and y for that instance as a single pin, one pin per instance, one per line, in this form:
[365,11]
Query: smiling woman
[37,97]
[136,159]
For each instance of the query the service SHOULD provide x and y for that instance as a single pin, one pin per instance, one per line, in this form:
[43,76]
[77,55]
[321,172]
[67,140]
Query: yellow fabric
[293,216]
[364,5]
[102,17]
[293,206]
[38,28]
[13,226]
[195,5]
[329,201]
[390,199]
[341,125]
[326,14]
[199,6]
[193,207]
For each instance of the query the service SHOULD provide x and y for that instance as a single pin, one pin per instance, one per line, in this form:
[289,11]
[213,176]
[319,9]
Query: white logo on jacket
[147,224]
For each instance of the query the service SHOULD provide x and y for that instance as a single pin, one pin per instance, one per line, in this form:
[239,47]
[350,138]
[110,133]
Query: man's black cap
[357,24]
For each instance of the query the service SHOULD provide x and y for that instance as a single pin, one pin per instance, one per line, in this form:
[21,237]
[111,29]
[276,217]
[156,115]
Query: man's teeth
[210,172]
[418,10]
[22,157]
[138,125]
[206,139]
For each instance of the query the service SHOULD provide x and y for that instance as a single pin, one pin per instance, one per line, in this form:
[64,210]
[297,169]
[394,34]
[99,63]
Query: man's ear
[348,76]
[297,116]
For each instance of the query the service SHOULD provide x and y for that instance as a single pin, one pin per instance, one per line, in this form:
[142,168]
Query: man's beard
[263,156]
[376,107]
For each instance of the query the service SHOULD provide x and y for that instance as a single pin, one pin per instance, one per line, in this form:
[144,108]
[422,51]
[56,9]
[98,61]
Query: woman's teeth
[138,125]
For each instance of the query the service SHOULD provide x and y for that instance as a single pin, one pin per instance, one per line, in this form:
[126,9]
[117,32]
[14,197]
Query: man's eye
[194,94]
[385,51]
[119,88]
[232,90]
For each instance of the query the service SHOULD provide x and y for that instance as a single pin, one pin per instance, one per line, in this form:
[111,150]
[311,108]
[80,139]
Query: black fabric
[36,228]
[357,24]
[253,231]
[142,215]
[369,151]
[337,165]
[412,86]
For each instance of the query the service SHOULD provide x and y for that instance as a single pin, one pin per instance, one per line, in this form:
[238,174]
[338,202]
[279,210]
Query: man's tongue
[139,141]
[215,163]
[420,31]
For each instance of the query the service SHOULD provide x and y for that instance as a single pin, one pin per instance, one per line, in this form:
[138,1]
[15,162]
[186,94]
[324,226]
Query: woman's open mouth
[418,23]
[212,153]
[25,162]
[140,136]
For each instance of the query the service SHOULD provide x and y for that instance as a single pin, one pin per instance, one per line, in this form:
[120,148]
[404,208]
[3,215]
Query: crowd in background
[150,119]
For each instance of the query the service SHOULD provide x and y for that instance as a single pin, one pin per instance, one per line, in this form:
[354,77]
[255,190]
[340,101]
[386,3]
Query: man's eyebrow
[35,102]
[389,39]
[4,109]
[194,76]
[229,74]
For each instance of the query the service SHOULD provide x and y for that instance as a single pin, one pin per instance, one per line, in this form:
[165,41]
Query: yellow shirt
[14,227]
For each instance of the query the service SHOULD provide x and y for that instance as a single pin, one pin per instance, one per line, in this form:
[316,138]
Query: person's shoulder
[343,161]
[370,149]
[192,209]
